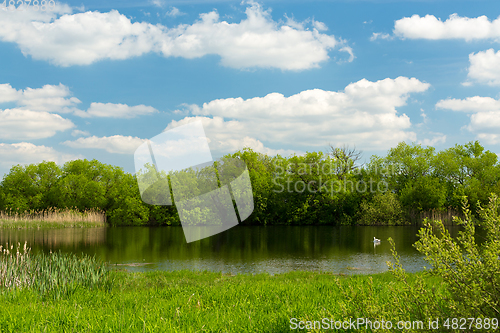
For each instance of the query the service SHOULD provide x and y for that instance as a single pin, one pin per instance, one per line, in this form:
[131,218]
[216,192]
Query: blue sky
[95,79]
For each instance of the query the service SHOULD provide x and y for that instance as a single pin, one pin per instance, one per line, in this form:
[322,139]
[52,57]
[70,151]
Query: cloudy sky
[94,79]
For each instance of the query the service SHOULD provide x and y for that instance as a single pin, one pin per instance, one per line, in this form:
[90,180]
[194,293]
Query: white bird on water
[376,240]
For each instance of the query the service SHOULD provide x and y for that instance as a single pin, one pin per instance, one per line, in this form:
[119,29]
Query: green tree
[2,199]
[33,186]
[91,185]
[468,170]
[127,208]
[78,191]
[383,209]
[424,193]
[408,163]
[163,215]
[261,169]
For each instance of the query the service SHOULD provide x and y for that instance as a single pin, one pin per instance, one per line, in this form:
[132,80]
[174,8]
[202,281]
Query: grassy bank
[65,293]
[193,302]
[57,292]
[52,218]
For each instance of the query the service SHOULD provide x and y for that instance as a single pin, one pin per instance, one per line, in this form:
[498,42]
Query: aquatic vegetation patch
[50,275]
[52,218]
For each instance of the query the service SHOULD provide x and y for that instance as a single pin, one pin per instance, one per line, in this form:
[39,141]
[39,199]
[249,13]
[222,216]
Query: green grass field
[190,302]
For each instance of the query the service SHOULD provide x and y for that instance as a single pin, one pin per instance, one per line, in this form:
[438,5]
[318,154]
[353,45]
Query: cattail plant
[50,275]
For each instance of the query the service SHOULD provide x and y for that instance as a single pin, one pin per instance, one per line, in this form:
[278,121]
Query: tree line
[315,188]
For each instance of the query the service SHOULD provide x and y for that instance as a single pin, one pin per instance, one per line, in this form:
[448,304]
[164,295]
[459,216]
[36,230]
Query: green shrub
[463,281]
[471,271]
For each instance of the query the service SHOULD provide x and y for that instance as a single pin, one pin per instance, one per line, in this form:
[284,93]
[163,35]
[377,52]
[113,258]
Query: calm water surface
[272,249]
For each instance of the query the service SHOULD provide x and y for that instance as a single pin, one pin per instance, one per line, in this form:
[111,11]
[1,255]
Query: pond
[242,249]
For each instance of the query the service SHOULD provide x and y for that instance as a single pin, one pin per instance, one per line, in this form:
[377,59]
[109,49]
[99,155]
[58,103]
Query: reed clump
[52,218]
[51,275]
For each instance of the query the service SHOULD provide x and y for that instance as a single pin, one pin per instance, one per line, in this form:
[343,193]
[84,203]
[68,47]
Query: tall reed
[446,216]
[51,275]
[53,217]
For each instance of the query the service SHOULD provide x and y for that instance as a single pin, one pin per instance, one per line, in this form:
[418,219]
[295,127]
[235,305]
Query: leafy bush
[468,284]
[471,271]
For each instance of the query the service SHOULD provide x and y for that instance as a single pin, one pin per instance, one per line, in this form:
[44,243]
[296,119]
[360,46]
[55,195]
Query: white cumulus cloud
[470,104]
[320,26]
[111,110]
[484,115]
[67,39]
[33,116]
[9,94]
[28,153]
[489,138]
[365,114]
[455,27]
[436,139]
[116,144]
[18,124]
[58,99]
[484,68]
[49,98]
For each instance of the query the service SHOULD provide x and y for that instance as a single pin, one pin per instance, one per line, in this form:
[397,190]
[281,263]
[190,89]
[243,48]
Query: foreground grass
[191,302]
